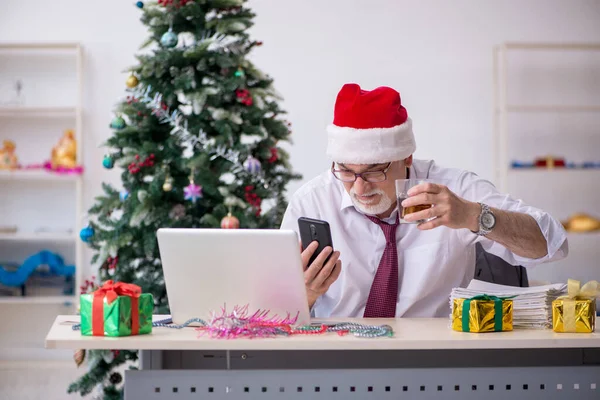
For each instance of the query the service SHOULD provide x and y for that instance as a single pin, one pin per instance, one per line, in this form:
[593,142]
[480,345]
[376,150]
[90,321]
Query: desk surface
[409,334]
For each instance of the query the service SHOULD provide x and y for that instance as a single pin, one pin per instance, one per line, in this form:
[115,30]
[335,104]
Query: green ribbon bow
[497,310]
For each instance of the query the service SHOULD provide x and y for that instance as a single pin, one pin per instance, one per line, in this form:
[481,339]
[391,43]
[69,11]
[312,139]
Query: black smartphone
[315,230]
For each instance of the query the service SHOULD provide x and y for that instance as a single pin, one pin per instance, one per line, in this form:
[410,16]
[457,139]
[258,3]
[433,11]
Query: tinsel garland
[179,125]
[239,324]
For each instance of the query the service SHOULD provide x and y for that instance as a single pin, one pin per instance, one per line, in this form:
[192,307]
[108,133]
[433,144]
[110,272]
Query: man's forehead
[362,167]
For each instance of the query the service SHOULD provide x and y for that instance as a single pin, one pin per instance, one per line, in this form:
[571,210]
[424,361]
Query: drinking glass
[402,188]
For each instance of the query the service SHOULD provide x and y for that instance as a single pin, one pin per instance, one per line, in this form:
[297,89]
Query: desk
[424,360]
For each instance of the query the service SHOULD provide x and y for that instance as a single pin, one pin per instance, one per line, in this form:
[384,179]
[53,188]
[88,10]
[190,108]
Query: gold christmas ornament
[168,185]
[132,81]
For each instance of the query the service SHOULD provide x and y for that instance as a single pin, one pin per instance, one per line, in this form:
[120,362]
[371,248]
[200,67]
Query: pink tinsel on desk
[238,324]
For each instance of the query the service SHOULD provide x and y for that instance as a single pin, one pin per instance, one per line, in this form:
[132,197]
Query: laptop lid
[206,270]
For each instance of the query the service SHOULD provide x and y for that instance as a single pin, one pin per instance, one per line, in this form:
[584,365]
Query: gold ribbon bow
[575,292]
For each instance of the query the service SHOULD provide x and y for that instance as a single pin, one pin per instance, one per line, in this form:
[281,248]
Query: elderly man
[383,268]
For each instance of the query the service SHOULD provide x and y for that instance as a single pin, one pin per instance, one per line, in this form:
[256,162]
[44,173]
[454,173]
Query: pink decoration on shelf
[78,170]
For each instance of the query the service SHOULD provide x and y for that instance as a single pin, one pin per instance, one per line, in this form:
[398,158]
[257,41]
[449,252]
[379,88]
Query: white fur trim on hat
[370,146]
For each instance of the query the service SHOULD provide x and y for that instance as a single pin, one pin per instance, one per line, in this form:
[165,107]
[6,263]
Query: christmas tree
[197,136]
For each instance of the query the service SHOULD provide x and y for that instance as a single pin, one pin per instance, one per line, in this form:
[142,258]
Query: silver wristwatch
[487,220]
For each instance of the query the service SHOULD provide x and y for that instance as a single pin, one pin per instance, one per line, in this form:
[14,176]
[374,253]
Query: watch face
[488,220]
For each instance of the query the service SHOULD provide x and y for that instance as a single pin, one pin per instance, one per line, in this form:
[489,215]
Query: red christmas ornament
[253,199]
[274,156]
[230,222]
[244,96]
[135,167]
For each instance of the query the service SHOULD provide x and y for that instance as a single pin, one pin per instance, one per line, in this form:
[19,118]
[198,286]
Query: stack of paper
[532,306]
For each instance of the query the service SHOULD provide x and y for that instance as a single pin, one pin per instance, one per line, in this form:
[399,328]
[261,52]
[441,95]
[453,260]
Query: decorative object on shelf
[252,165]
[8,158]
[169,39]
[581,222]
[575,312]
[8,229]
[230,222]
[53,262]
[86,233]
[521,164]
[132,81]
[549,162]
[116,309]
[482,314]
[64,154]
[17,99]
[117,123]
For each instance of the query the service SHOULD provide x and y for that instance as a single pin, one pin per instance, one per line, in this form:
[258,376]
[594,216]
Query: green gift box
[116,309]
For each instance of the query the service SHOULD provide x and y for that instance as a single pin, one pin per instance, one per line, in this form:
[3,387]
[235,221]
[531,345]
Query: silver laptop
[206,270]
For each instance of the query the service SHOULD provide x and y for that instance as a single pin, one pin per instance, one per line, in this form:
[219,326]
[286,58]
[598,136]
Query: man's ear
[408,161]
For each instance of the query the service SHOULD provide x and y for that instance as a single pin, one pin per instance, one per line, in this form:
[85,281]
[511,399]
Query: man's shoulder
[429,169]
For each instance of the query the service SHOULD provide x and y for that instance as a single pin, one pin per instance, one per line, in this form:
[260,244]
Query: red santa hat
[369,127]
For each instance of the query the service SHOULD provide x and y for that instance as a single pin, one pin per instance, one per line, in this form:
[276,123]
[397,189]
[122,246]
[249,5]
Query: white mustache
[371,193]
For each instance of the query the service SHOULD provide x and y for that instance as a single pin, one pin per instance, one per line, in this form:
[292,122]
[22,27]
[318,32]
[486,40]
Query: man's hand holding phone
[321,274]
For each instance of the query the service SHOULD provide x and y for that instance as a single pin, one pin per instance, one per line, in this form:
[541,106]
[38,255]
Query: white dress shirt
[430,263]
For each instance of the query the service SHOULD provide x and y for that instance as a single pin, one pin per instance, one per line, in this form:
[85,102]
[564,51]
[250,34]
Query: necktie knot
[389,230]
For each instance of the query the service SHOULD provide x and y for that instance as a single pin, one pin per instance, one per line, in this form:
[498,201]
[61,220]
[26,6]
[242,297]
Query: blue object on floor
[19,277]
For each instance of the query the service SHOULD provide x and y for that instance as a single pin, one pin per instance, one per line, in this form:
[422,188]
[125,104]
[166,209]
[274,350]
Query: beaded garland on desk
[238,324]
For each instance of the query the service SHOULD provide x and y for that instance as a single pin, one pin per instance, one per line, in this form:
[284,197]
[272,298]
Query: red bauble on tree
[230,222]
[274,156]
[253,199]
[137,165]
[244,96]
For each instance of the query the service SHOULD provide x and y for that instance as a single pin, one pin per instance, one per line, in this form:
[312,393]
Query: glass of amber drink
[402,188]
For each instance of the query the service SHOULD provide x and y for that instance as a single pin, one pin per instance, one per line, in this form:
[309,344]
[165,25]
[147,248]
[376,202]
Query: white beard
[372,209]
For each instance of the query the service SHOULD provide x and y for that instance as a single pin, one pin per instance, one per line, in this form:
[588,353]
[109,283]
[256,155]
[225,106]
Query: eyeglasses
[369,176]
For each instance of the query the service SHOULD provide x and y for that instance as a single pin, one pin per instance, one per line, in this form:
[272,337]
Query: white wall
[437,54]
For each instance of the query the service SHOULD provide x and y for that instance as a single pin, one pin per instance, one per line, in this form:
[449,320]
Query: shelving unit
[547,102]
[35,199]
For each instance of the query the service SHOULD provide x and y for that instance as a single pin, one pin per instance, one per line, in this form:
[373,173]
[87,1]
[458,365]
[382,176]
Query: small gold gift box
[482,314]
[576,312]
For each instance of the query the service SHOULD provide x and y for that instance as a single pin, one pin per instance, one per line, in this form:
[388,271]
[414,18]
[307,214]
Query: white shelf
[551,108]
[555,170]
[38,237]
[40,46]
[38,299]
[38,112]
[36,175]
